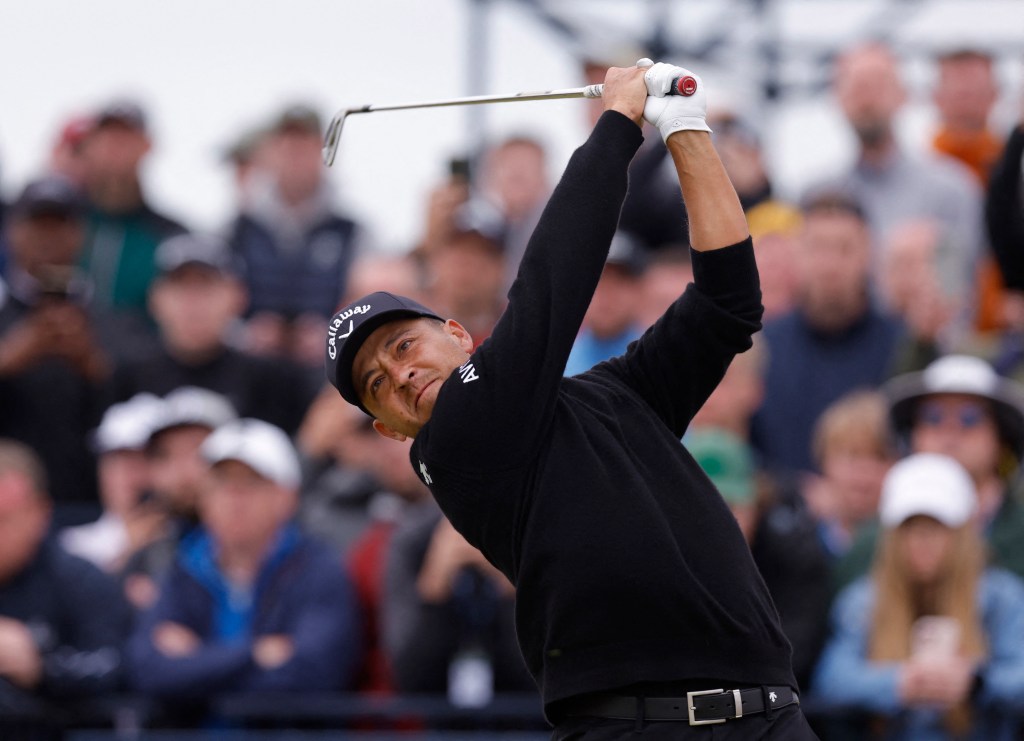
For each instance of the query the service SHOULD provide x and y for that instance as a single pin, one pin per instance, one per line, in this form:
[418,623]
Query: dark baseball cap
[49,195]
[298,118]
[202,250]
[349,328]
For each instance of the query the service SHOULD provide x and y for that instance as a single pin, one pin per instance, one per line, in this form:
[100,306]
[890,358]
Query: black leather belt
[697,708]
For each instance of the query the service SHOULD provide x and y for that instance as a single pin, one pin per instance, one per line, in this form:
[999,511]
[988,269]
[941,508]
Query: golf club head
[333,136]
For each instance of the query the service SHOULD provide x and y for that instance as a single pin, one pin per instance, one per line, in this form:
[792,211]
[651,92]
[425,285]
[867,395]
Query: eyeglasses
[966,416]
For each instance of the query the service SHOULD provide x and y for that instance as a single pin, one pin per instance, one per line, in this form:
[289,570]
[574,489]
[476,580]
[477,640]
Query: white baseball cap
[192,405]
[927,484]
[128,424]
[260,445]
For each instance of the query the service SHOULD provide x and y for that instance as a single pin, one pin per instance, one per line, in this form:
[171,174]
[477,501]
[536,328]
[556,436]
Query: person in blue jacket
[932,642]
[251,603]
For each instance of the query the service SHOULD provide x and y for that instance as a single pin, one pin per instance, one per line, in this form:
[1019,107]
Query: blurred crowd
[187,511]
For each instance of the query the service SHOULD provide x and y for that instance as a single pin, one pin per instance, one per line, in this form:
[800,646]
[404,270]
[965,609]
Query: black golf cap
[49,195]
[349,328]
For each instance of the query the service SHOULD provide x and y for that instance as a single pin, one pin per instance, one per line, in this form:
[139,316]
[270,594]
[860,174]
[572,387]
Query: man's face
[46,240]
[615,305]
[870,92]
[241,508]
[176,467]
[24,518]
[399,369]
[114,150]
[835,253]
[194,306]
[960,426]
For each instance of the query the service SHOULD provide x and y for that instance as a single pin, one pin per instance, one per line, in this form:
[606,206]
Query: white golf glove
[676,112]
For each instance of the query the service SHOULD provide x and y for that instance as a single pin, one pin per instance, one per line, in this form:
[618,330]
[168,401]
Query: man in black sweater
[639,608]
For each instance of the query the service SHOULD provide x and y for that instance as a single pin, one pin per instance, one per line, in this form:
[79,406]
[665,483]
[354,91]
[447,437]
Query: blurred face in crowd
[38,242]
[515,176]
[176,468]
[965,91]
[924,547]
[467,274]
[834,251]
[663,283]
[615,306]
[870,92]
[735,399]
[293,156]
[24,519]
[855,470]
[123,476]
[241,509]
[776,265]
[960,426]
[113,151]
[385,461]
[194,307]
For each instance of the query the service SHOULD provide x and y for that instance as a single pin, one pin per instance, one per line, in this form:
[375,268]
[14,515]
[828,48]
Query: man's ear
[460,333]
[385,431]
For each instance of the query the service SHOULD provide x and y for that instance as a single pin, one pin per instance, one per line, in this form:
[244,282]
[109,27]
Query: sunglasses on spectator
[966,416]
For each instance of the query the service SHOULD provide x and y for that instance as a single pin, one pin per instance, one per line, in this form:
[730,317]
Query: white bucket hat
[960,374]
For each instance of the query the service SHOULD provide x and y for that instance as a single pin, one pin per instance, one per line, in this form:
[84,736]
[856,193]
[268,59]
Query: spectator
[893,186]
[251,603]
[124,229]
[965,92]
[465,274]
[781,535]
[959,407]
[832,342]
[737,397]
[931,644]
[613,318]
[916,287]
[62,621]
[775,227]
[56,345]
[740,147]
[668,271]
[296,246]
[448,615]
[514,180]
[854,448]
[196,300]
[184,420]
[362,492]
[66,158]
[126,523]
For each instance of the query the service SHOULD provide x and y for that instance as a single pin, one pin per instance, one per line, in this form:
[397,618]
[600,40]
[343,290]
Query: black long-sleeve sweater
[628,564]
[1004,211]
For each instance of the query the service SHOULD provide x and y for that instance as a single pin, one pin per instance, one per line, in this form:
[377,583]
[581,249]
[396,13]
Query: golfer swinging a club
[639,610]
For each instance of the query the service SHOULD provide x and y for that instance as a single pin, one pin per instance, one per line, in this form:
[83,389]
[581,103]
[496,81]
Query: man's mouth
[419,396]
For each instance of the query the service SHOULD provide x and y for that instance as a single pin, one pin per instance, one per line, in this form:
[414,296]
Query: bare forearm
[716,217]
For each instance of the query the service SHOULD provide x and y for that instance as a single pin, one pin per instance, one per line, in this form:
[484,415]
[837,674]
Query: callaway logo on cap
[349,328]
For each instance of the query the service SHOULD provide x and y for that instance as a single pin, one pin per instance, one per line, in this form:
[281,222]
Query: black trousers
[786,724]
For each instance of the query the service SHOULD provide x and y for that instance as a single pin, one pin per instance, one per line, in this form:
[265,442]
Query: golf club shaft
[333,136]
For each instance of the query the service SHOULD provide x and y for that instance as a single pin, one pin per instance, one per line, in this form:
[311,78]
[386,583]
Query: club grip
[683,85]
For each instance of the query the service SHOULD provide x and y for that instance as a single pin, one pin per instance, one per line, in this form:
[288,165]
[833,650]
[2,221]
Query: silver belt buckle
[690,707]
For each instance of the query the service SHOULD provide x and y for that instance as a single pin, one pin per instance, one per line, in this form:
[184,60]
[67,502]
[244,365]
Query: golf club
[685,85]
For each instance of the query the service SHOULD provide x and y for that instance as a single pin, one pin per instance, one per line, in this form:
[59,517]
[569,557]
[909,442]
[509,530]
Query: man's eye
[376,384]
[404,345]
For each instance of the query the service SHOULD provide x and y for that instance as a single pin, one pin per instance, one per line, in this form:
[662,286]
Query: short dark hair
[19,458]
[832,201]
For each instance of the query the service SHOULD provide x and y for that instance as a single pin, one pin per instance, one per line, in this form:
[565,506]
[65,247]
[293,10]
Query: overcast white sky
[207,69]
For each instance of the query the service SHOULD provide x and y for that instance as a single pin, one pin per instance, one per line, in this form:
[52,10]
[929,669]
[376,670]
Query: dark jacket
[301,591]
[78,618]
